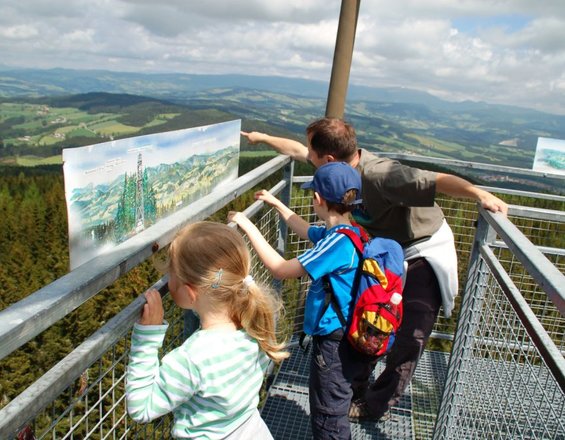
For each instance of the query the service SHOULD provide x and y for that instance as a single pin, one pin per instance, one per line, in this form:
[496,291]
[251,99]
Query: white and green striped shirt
[211,382]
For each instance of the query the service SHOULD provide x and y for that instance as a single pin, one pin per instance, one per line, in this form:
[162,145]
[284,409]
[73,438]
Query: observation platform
[286,410]
[496,369]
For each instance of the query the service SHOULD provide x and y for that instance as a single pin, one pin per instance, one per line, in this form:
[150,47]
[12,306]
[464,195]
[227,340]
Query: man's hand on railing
[492,203]
[152,313]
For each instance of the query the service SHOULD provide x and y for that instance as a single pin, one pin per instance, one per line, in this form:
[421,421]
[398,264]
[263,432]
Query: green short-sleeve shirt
[398,200]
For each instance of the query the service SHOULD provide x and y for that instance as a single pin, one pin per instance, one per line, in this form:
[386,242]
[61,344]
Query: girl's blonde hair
[214,259]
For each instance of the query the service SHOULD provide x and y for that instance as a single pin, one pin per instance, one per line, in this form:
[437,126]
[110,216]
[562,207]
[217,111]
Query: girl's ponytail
[214,259]
[257,308]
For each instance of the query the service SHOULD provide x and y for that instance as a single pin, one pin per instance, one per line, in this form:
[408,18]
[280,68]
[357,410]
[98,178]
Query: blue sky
[511,23]
[498,51]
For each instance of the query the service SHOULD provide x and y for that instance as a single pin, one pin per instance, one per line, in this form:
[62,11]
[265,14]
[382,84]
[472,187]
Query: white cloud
[293,11]
[501,51]
[20,32]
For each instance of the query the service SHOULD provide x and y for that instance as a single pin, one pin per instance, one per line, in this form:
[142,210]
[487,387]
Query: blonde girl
[211,382]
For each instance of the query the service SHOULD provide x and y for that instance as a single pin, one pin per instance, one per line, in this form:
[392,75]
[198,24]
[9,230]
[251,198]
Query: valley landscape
[44,111]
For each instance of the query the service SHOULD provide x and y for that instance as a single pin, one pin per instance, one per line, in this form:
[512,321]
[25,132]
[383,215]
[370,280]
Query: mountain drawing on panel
[114,190]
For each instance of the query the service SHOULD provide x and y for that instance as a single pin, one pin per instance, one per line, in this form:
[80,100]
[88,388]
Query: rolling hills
[87,107]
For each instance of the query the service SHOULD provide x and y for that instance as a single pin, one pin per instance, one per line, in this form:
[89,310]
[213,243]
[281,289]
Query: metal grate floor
[286,410]
[524,401]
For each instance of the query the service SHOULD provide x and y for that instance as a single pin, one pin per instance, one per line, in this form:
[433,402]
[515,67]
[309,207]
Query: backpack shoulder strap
[330,299]
[330,295]
[357,242]
[362,231]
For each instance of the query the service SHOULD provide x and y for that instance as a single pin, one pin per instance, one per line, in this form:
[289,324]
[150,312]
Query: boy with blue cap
[337,187]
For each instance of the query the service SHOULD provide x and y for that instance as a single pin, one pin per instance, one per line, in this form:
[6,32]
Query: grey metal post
[469,315]
[285,197]
[343,53]
[191,323]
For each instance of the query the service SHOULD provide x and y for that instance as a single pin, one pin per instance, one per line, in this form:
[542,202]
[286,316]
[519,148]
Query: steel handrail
[24,320]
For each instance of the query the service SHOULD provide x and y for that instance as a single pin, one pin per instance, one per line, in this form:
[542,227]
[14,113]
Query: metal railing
[79,396]
[506,376]
[507,326]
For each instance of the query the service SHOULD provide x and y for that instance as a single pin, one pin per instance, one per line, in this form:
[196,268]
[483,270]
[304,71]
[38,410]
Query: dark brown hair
[341,208]
[332,136]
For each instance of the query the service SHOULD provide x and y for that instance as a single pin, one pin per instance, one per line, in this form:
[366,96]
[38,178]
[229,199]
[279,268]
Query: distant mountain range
[35,83]
[394,120]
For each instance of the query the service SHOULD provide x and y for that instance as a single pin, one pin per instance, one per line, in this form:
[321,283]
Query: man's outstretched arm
[294,149]
[456,187]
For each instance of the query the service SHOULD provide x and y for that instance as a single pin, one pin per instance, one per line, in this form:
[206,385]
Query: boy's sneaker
[359,412]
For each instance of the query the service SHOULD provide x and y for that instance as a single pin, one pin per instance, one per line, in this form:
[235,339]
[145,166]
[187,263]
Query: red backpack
[377,295]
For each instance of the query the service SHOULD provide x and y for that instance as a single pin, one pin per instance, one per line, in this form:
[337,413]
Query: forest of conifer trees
[34,252]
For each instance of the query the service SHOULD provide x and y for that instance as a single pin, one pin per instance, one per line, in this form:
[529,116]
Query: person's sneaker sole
[358,412]
[385,417]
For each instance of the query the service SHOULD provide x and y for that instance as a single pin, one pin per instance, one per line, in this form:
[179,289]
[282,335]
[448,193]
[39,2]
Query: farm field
[29,130]
[33,131]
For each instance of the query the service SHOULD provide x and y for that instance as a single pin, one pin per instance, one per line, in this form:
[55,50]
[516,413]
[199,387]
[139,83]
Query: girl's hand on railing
[152,313]
[235,216]
[242,221]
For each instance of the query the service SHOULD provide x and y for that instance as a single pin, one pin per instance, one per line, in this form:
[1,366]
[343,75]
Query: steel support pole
[343,54]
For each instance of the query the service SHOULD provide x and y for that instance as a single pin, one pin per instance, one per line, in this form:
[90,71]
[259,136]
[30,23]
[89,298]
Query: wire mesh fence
[504,364]
[505,379]
[504,388]
[94,405]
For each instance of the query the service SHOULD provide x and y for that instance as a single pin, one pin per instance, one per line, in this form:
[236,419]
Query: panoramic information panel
[117,189]
[550,156]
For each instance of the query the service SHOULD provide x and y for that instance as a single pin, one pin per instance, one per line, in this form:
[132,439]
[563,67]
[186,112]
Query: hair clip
[218,281]
[248,281]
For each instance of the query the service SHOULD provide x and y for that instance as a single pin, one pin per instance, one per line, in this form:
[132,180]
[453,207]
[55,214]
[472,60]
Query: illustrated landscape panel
[550,156]
[117,189]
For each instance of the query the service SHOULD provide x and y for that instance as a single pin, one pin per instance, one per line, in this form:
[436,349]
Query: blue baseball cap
[333,179]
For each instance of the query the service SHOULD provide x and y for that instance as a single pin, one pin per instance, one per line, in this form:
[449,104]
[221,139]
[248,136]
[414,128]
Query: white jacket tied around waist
[439,252]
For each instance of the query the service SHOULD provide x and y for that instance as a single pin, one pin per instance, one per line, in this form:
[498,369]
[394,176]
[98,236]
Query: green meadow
[27,130]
